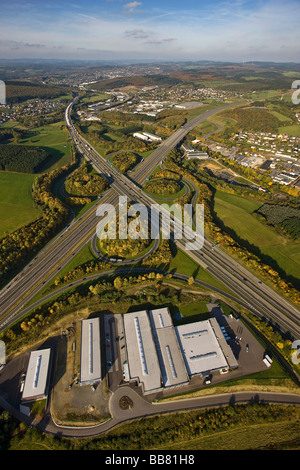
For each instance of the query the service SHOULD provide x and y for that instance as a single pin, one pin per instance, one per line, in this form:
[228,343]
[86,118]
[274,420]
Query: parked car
[207,380]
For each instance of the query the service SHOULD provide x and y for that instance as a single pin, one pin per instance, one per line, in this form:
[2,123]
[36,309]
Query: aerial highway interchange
[252,294]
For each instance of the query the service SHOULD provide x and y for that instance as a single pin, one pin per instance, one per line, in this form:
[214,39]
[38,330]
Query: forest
[7,135]
[253,119]
[21,158]
[18,91]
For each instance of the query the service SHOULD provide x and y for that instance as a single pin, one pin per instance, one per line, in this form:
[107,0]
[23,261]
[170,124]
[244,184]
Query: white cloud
[137,34]
[131,6]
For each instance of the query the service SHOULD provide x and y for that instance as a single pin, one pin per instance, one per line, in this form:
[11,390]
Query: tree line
[161,431]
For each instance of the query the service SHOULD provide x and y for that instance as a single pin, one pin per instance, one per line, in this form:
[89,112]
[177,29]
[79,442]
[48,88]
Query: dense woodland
[253,119]
[18,91]
[13,135]
[21,158]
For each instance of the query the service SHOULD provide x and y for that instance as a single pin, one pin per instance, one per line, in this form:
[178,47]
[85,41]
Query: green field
[293,130]
[236,213]
[281,117]
[181,263]
[282,436]
[206,127]
[93,98]
[16,204]
[54,138]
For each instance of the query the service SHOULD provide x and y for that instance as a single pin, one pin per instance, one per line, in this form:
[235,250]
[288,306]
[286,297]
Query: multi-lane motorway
[258,298]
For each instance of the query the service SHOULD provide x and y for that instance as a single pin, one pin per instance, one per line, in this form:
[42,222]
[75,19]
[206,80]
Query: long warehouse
[172,367]
[153,351]
[90,367]
[141,353]
[36,382]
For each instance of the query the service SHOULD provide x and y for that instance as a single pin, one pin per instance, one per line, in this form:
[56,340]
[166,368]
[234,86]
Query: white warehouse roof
[90,370]
[36,377]
[173,370]
[141,353]
[200,347]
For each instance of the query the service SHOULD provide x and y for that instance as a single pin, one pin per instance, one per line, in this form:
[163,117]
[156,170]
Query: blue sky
[236,30]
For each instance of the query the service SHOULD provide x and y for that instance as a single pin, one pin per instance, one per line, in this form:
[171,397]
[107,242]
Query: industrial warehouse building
[190,152]
[153,352]
[160,356]
[36,382]
[205,348]
[142,358]
[90,364]
[172,368]
[147,136]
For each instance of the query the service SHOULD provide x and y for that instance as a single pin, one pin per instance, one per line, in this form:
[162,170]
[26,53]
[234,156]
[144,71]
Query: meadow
[54,138]
[237,214]
[16,204]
